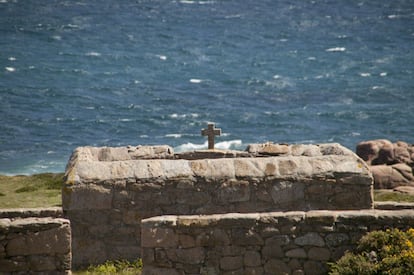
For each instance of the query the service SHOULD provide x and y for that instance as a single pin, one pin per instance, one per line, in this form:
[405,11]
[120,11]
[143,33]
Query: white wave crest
[196,2]
[175,115]
[336,49]
[161,57]
[223,145]
[173,135]
[93,54]
[195,80]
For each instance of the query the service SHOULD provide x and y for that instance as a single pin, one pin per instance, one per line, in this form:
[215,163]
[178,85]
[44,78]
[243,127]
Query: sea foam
[223,145]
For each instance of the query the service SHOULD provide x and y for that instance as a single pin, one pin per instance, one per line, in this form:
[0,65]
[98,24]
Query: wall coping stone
[392,205]
[14,213]
[291,216]
[106,164]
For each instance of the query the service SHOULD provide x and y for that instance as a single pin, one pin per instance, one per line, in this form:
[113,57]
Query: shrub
[379,252]
[116,267]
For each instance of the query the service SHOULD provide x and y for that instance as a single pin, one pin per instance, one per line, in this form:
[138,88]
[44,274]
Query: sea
[145,72]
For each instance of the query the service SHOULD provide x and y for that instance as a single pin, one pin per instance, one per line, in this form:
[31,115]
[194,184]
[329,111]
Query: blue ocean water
[112,73]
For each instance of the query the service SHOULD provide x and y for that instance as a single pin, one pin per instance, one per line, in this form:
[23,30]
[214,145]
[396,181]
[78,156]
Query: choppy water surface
[109,73]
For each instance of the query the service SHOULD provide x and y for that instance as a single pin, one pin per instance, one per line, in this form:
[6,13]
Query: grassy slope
[40,190]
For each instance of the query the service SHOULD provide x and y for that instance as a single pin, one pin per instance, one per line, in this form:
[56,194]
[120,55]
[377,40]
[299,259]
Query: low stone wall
[259,243]
[109,190]
[34,241]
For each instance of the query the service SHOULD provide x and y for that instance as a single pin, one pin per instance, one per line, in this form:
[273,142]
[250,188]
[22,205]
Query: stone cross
[210,132]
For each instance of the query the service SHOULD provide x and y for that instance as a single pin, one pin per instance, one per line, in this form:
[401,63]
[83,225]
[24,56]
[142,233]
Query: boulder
[405,189]
[391,163]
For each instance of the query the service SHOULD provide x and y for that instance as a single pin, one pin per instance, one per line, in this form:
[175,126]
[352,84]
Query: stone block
[231,263]
[151,270]
[233,191]
[86,197]
[319,254]
[219,237]
[314,268]
[336,239]
[278,240]
[56,240]
[252,258]
[258,270]
[275,266]
[247,168]
[42,263]
[272,252]
[296,253]
[158,237]
[186,241]
[10,265]
[288,194]
[232,250]
[269,149]
[193,256]
[311,239]
[246,237]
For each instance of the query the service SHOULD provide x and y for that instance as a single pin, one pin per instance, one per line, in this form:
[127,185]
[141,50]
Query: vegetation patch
[122,267]
[26,189]
[390,195]
[39,190]
[379,252]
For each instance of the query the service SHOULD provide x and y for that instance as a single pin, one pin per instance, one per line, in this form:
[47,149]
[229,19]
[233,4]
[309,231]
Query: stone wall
[34,241]
[109,190]
[258,243]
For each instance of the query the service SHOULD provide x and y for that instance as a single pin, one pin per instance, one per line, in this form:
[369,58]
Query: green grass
[122,267]
[389,195]
[40,190]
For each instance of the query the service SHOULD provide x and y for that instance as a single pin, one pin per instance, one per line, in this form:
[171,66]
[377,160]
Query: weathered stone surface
[296,253]
[269,149]
[405,189]
[374,152]
[391,176]
[158,237]
[234,191]
[193,255]
[252,258]
[88,197]
[391,163]
[275,266]
[231,262]
[108,191]
[35,244]
[288,253]
[212,154]
[286,192]
[314,268]
[319,254]
[313,239]
[47,212]
[149,270]
[390,205]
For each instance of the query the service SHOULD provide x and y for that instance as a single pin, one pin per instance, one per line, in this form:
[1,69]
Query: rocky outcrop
[391,163]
